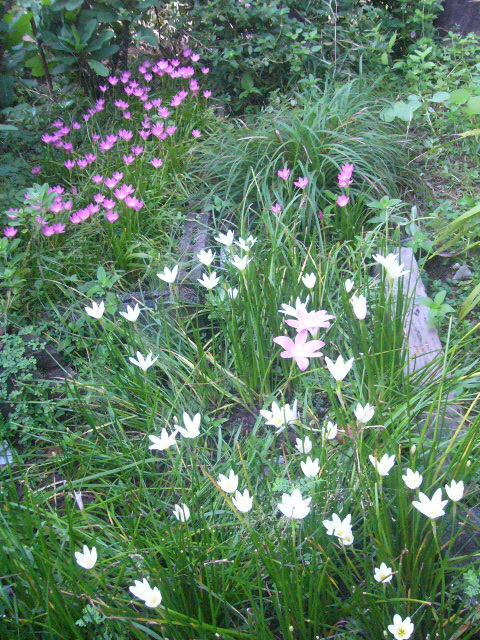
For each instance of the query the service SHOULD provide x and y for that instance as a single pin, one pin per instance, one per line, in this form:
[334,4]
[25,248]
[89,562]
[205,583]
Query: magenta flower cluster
[128,145]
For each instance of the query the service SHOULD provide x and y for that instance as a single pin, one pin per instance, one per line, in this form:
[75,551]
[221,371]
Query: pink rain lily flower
[301,183]
[123,191]
[310,321]
[342,201]
[196,133]
[10,232]
[156,163]
[284,173]
[300,350]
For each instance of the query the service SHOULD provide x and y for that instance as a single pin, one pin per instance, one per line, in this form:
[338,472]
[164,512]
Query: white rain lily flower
[309,280]
[433,507]
[383,465]
[232,293]
[349,284]
[165,441]
[86,558]
[383,573]
[142,590]
[181,512]
[294,506]
[226,238]
[401,629]
[168,275]
[280,417]
[96,310]
[143,362]
[340,368]
[242,501]
[191,427]
[246,244]
[206,257]
[338,527]
[412,479]
[310,467]
[346,539]
[240,263]
[364,414]
[359,304]
[132,313]
[455,490]
[390,263]
[229,483]
[209,281]
[330,431]
[304,446]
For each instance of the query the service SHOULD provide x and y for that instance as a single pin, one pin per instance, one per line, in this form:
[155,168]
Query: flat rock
[462,273]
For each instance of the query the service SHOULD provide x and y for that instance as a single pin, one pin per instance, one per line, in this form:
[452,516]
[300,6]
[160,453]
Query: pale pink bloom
[113,80]
[133,203]
[48,231]
[10,232]
[284,173]
[97,179]
[76,126]
[347,170]
[69,164]
[82,163]
[196,133]
[194,86]
[110,183]
[108,204]
[124,134]
[128,159]
[111,216]
[300,350]
[205,70]
[136,151]
[123,191]
[207,94]
[310,321]
[59,228]
[102,87]
[194,57]
[342,201]
[163,112]
[156,163]
[276,209]
[36,171]
[301,183]
[145,134]
[127,115]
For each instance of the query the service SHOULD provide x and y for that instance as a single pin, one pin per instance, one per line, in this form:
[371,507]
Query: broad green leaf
[98,67]
[473,106]
[440,96]
[460,96]
[8,127]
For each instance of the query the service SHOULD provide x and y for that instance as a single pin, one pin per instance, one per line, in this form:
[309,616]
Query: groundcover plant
[244,449]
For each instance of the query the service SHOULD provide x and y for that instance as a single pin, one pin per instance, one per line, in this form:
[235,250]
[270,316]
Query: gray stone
[462,273]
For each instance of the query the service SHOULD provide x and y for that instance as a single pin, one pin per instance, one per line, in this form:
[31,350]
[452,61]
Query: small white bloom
[391,265]
[240,263]
[304,446]
[401,629]
[132,313]
[383,573]
[310,467]
[330,431]
[209,281]
[347,538]
[349,284]
[232,293]
[191,427]
[168,275]
[433,507]
[86,558]
[359,304]
[455,490]
[309,280]
[383,465]
[340,368]
[226,238]
[181,512]
[165,441]
[246,244]
[338,527]
[142,590]
[364,414]
[280,417]
[242,502]
[294,506]
[142,362]
[412,479]
[96,310]
[206,257]
[229,483]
